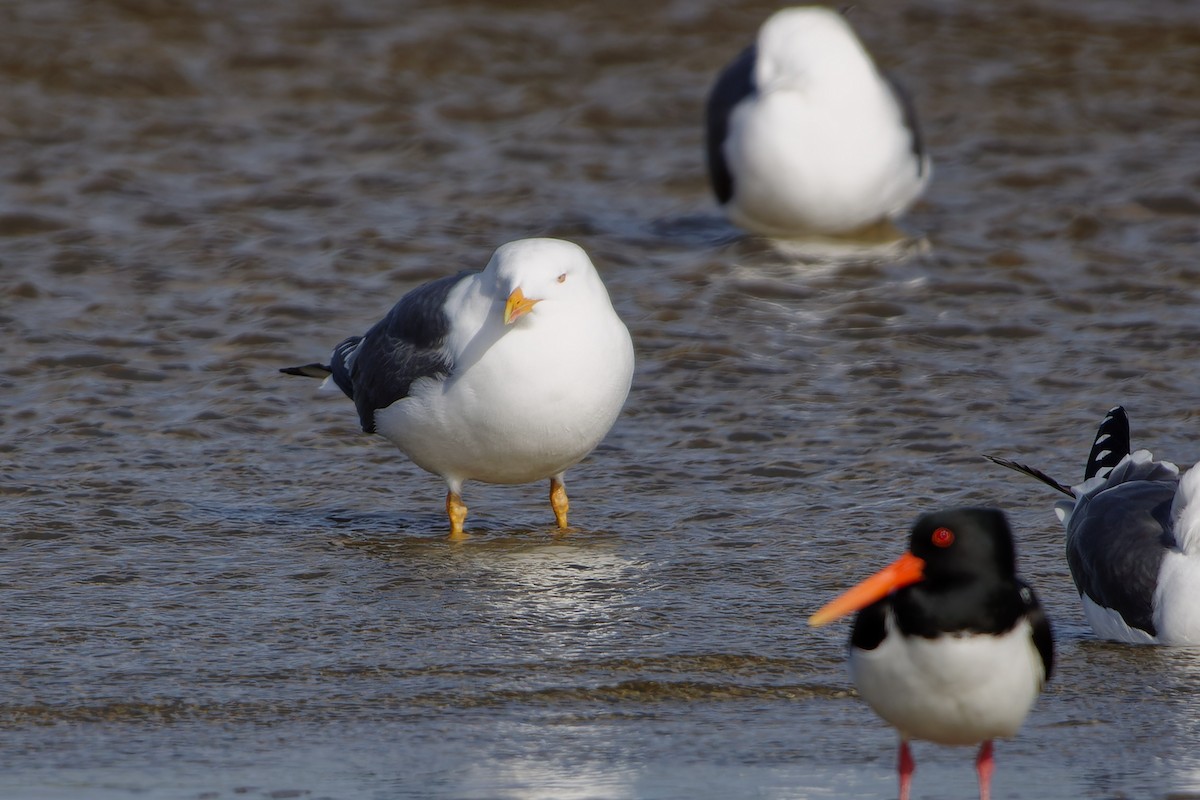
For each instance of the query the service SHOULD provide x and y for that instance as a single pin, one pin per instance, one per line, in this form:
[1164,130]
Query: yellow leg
[456,510]
[558,501]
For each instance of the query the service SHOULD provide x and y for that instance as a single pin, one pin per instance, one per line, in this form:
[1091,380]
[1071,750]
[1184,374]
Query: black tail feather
[1031,472]
[1111,445]
[308,371]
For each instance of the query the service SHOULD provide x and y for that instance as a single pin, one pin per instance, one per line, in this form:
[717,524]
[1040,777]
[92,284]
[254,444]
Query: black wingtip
[308,371]
[1031,472]
[735,83]
[1111,445]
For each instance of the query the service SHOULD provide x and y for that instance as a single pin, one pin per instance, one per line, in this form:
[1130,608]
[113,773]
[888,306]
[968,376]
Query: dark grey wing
[1043,640]
[910,119]
[733,85]
[1111,445]
[1116,541]
[378,368]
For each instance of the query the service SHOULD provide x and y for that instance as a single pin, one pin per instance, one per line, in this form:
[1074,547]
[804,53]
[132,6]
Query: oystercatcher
[949,645]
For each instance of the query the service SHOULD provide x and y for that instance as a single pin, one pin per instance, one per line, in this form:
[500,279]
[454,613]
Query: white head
[546,277]
[810,48]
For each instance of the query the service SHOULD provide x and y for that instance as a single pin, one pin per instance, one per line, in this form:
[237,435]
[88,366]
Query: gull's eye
[562,278]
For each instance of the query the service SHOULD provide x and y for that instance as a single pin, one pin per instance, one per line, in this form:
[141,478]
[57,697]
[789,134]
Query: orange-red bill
[518,305]
[904,571]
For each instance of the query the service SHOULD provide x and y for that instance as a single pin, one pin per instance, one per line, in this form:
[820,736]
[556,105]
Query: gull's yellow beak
[518,305]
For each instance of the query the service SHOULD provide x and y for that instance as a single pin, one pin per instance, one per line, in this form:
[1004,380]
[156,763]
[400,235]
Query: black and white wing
[1111,445]
[378,368]
[909,111]
[733,85]
[1116,540]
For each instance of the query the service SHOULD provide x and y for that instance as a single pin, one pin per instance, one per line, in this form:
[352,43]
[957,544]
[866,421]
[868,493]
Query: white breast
[954,689]
[802,164]
[526,403]
[1177,600]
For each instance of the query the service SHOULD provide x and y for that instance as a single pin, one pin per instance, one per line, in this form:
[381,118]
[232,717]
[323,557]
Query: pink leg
[984,766]
[905,767]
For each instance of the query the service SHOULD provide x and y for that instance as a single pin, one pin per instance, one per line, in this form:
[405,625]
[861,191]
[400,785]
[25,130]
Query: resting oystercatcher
[509,375]
[1133,540]
[949,645]
[806,136]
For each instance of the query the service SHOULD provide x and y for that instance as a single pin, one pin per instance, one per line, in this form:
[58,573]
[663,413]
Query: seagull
[805,136]
[1133,540]
[949,645]
[509,375]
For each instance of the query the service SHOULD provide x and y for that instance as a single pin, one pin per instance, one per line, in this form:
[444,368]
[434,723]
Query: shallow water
[215,587]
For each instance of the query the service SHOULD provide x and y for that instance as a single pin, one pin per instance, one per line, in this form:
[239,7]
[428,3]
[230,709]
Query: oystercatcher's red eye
[562,278]
[943,537]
